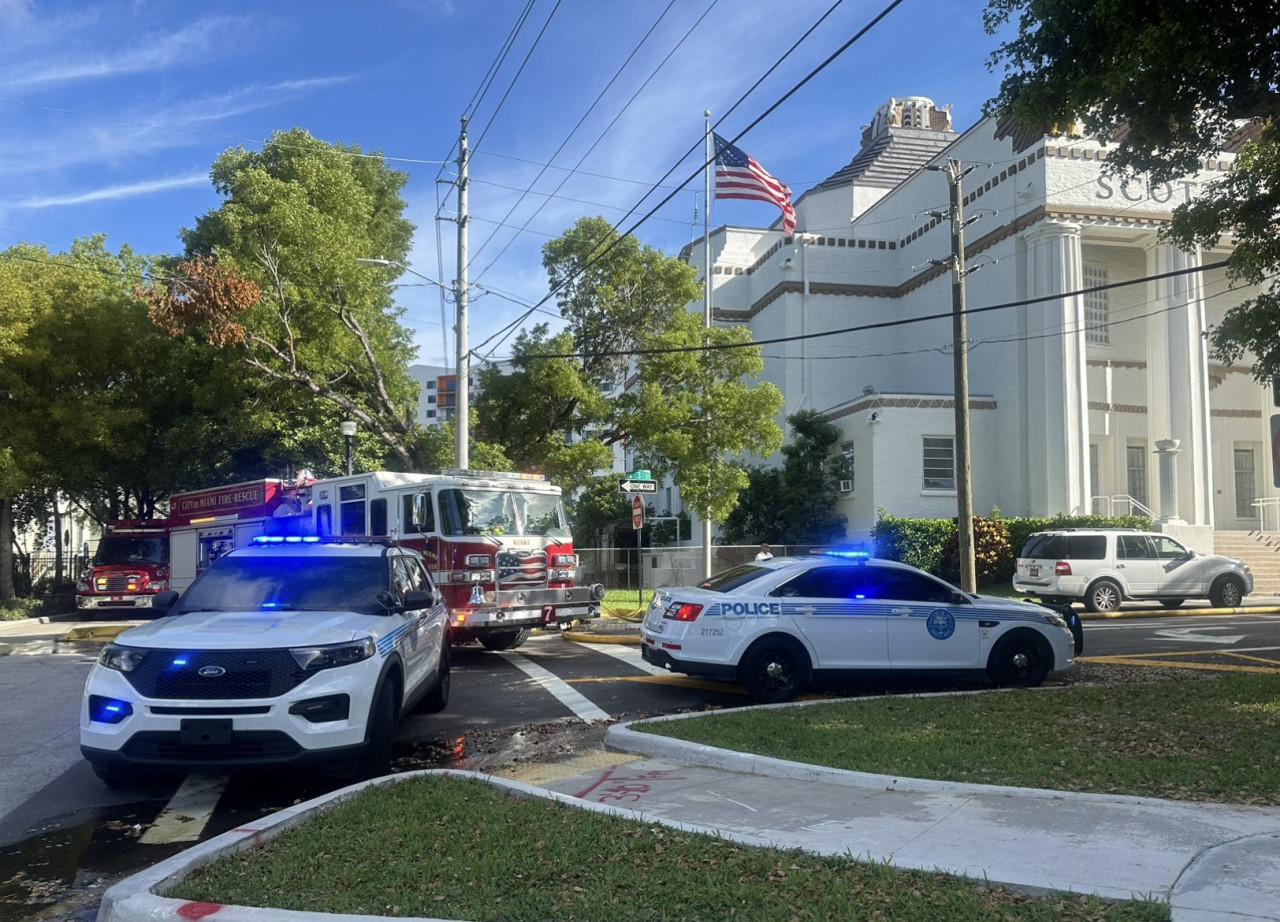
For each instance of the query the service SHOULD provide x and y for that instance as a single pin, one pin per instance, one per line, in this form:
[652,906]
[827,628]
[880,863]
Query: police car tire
[1021,658]
[504,640]
[762,658]
[437,699]
[382,719]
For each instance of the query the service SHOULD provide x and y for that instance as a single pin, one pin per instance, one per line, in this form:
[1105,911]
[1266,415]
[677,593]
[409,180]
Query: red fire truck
[205,524]
[498,545]
[130,566]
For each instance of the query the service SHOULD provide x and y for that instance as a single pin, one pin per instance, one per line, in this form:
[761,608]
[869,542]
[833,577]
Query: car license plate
[205,732]
[656,627]
[1033,571]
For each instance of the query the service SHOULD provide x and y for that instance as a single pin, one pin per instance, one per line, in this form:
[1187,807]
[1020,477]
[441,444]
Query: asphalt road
[61,829]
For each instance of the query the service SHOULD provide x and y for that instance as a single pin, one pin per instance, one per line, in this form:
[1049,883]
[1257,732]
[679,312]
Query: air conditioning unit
[846,486]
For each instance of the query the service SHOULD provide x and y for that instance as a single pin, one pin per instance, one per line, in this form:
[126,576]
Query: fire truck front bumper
[114,601]
[531,607]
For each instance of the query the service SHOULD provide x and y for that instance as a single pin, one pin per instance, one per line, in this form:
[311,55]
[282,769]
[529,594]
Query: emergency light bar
[491,475]
[848,554]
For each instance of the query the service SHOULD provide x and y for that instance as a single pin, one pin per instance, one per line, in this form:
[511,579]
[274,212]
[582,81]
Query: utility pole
[956,172]
[706,305]
[462,374]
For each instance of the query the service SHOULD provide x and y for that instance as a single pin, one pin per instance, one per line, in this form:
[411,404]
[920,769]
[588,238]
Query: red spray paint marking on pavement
[622,788]
[198,910]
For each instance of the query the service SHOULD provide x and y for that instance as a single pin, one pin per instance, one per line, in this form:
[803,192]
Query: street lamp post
[348,428]
[462,371]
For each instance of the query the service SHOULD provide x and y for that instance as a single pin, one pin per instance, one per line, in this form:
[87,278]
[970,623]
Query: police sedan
[775,625]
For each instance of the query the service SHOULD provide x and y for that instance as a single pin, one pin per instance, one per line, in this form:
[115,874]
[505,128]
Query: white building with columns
[1073,385]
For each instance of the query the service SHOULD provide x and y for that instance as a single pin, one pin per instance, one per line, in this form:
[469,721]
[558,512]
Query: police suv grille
[244,674]
[522,568]
[246,746]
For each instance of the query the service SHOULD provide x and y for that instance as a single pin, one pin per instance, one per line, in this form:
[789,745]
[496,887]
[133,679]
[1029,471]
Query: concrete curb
[1179,612]
[622,738]
[135,898]
[586,637]
[98,631]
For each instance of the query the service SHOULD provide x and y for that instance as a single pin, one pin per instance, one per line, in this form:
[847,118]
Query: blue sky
[111,113]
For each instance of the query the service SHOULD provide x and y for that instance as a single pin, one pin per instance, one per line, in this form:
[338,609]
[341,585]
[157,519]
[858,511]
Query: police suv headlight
[313,659]
[1056,621]
[121,659]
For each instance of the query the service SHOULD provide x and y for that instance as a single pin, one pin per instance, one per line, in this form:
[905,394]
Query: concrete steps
[1260,550]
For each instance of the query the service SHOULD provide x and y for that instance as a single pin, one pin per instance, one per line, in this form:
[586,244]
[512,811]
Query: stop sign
[637,512]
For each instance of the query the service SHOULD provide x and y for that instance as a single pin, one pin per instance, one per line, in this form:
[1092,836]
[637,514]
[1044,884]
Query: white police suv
[774,625]
[290,652]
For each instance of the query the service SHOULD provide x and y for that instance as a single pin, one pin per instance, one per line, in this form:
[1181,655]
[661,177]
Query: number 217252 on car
[776,625]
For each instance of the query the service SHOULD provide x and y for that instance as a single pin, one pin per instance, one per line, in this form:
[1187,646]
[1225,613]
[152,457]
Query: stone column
[1178,376]
[1055,412]
[1167,451]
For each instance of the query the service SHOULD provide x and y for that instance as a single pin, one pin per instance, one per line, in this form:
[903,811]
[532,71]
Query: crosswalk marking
[629,655]
[559,689]
[183,819]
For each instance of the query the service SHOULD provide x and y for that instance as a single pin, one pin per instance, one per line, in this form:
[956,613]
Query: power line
[884,324]
[515,79]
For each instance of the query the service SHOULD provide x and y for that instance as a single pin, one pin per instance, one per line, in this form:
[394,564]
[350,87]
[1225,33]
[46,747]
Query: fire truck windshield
[501,512]
[122,550]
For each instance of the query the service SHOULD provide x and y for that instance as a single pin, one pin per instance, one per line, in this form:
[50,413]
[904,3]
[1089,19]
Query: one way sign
[637,486]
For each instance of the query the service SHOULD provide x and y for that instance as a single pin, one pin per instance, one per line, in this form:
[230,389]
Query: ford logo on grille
[211,672]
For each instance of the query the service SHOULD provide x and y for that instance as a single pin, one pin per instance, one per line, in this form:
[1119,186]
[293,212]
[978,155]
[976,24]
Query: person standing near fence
[765,553]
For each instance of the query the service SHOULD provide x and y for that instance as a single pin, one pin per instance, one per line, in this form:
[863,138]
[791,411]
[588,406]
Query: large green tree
[98,406]
[632,366]
[794,503]
[1168,82]
[271,276]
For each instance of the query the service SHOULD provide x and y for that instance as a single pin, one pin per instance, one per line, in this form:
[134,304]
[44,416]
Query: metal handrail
[1126,500]
[1269,503]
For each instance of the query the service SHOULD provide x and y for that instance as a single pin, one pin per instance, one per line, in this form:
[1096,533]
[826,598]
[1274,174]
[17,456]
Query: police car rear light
[686,611]
[1062,568]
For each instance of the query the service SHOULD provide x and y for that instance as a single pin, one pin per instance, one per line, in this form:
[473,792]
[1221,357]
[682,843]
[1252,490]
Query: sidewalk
[1210,862]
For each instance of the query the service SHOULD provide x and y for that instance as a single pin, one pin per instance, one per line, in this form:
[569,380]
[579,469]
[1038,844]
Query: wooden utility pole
[960,355]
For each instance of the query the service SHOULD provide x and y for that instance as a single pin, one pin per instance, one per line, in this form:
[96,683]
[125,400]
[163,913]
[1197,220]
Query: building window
[431,399]
[845,468]
[1097,307]
[431,414]
[431,385]
[1246,484]
[1136,465]
[939,463]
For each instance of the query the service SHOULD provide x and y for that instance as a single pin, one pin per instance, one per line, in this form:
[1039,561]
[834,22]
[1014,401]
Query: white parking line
[560,690]
[629,655]
[187,812]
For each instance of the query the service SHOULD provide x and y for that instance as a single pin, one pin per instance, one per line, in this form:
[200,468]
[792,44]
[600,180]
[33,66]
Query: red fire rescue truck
[498,545]
[130,566]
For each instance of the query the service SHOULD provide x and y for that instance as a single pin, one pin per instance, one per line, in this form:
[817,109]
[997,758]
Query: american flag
[739,176]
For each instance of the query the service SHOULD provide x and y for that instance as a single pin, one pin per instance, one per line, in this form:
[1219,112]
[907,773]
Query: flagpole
[706,300]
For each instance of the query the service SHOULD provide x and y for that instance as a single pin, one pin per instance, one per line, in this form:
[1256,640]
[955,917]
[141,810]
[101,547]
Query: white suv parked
[290,652]
[1104,567]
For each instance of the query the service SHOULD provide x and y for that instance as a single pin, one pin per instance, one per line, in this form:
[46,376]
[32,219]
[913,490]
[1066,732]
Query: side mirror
[162,602]
[416,599]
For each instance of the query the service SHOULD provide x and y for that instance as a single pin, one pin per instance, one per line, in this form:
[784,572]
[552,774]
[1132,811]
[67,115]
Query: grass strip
[456,848]
[1214,739]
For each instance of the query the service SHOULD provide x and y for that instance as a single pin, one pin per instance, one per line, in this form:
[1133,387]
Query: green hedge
[932,544]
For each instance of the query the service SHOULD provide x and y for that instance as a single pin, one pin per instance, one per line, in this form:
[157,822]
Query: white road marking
[1188,634]
[559,689]
[629,655]
[185,816]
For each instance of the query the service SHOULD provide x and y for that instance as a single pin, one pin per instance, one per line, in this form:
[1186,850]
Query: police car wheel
[1021,659]
[774,669]
[382,719]
[437,699]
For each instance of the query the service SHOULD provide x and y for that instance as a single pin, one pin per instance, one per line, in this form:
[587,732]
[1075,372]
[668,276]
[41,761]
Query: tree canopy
[271,276]
[632,368]
[1168,82]
[793,504]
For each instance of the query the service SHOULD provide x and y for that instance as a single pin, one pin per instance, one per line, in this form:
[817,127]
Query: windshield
[501,512]
[123,550]
[276,583]
[732,579]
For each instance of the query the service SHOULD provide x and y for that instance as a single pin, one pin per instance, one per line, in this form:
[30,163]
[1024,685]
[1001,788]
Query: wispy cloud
[153,53]
[114,193]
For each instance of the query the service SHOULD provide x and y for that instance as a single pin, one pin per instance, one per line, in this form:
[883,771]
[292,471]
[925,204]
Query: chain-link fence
[652,567]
